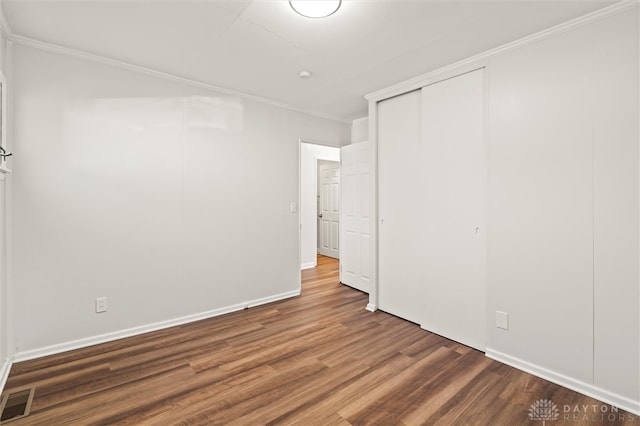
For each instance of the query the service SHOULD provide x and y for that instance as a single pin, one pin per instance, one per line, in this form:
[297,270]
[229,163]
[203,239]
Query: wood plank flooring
[317,359]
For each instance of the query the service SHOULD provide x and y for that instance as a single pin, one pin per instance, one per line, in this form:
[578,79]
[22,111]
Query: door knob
[320,215]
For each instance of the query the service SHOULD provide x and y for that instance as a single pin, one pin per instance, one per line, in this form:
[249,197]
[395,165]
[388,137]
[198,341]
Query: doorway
[310,155]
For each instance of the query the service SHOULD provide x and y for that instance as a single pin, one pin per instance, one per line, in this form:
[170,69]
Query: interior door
[455,191]
[329,208]
[400,206]
[356,205]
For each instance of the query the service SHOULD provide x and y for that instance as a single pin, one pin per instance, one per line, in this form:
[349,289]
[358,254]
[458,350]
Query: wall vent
[16,405]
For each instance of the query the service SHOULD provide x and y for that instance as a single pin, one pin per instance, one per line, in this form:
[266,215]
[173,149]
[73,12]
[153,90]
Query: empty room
[453,187]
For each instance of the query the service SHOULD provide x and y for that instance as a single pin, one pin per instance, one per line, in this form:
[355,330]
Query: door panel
[329,211]
[454,190]
[356,215]
[400,267]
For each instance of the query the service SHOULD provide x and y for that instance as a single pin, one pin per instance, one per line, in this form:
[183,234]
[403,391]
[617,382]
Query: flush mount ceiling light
[315,8]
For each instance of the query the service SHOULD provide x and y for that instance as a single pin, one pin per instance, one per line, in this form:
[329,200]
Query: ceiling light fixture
[315,8]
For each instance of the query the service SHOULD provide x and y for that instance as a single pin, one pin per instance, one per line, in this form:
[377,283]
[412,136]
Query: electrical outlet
[101,305]
[502,320]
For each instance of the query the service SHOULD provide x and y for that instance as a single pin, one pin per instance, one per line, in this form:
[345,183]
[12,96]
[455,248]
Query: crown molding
[54,48]
[481,59]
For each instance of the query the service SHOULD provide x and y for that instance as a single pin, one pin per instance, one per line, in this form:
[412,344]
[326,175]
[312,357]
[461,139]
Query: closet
[508,204]
[432,186]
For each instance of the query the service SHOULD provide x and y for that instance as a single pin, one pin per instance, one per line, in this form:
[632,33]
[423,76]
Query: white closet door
[400,242]
[455,188]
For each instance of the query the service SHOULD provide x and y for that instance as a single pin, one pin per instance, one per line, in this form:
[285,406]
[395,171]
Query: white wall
[563,244]
[360,130]
[616,135]
[169,200]
[309,156]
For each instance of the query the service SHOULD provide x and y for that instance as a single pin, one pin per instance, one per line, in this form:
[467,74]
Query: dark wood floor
[318,359]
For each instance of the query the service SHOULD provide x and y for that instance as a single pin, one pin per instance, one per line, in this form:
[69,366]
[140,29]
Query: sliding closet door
[454,190]
[400,260]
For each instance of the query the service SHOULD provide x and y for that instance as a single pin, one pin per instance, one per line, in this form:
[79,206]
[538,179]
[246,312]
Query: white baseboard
[108,337]
[308,265]
[588,389]
[5,368]
[371,307]
[269,299]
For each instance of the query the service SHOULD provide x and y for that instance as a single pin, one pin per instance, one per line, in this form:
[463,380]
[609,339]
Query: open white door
[355,268]
[329,208]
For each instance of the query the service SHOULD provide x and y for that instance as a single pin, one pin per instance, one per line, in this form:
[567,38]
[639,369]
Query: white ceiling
[258,47]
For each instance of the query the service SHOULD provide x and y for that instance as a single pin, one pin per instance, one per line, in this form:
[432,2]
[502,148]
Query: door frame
[335,145]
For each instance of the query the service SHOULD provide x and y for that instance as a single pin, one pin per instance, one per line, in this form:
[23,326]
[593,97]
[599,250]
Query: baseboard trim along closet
[108,337]
[588,389]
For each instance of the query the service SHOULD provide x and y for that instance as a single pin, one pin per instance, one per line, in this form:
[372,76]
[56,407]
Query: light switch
[502,320]
[293,207]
